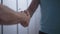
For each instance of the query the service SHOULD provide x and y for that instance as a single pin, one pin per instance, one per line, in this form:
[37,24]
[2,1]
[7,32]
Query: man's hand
[25,18]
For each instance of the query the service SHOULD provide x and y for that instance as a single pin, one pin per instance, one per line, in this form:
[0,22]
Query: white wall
[34,26]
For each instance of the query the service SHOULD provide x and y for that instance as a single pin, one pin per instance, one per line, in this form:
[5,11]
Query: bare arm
[8,16]
[33,6]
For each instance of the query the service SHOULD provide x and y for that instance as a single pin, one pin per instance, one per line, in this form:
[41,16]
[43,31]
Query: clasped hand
[9,17]
[25,18]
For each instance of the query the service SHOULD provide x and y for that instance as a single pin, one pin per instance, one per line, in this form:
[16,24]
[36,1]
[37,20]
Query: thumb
[27,12]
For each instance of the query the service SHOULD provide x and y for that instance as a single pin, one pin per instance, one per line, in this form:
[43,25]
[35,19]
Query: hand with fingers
[25,18]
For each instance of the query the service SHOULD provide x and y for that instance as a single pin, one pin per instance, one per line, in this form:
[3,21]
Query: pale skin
[9,16]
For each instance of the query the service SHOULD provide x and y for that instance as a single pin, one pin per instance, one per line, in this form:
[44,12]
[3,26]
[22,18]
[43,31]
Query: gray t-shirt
[50,21]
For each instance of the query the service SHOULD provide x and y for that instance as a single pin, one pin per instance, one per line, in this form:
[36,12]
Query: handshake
[10,17]
[25,18]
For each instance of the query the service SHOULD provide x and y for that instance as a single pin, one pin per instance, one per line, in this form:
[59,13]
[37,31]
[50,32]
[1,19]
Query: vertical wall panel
[0,25]
[37,20]
[22,30]
[10,3]
[10,29]
[22,5]
[0,29]
[29,2]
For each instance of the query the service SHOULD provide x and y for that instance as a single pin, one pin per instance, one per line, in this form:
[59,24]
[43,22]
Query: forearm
[8,16]
[33,6]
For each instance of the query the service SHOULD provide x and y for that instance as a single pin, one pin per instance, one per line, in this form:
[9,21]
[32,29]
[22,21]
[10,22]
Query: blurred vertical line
[2,29]
[28,26]
[17,11]
[2,24]
[27,3]
[1,1]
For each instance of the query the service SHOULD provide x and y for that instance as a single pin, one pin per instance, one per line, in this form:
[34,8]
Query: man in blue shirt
[50,15]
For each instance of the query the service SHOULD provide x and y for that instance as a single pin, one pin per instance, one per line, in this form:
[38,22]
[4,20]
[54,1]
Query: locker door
[10,29]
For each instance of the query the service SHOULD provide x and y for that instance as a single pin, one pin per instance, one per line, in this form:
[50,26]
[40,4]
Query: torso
[50,16]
